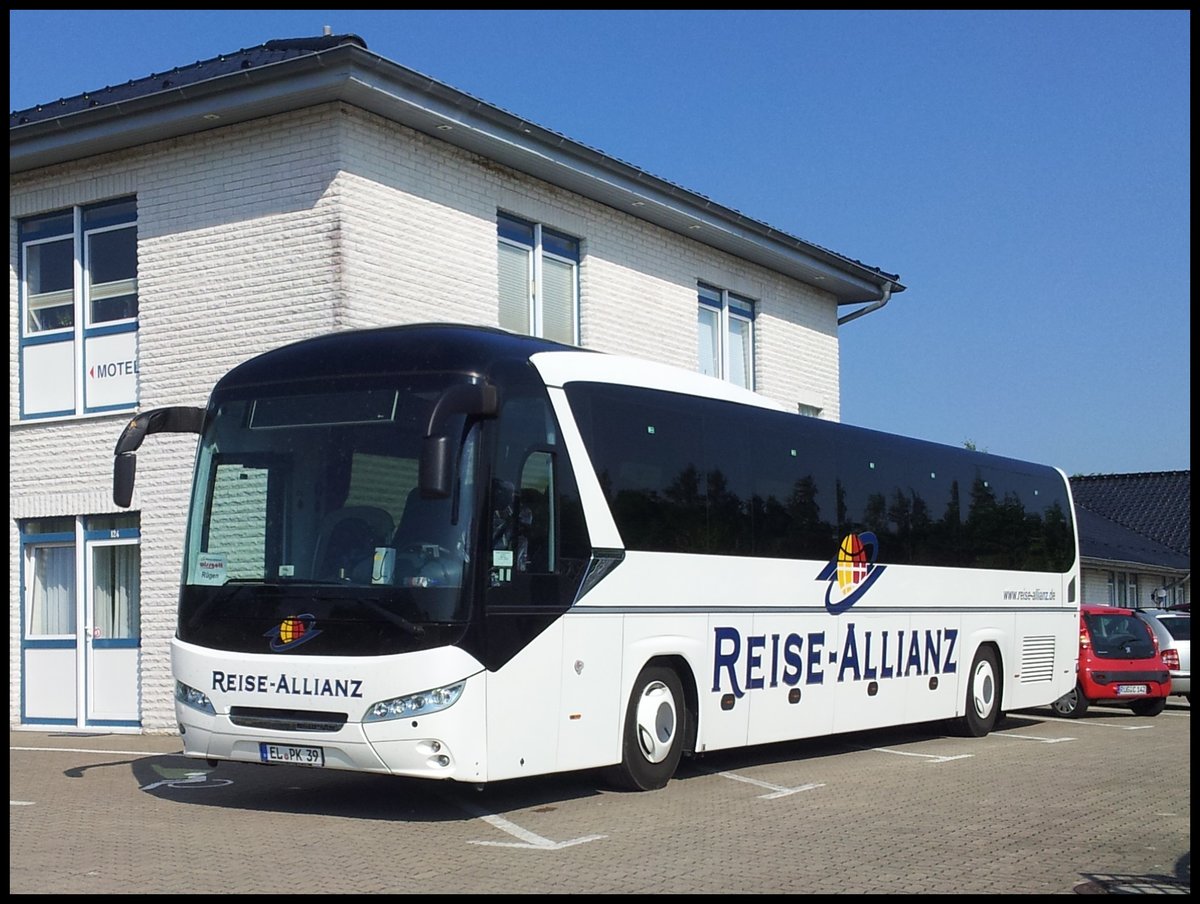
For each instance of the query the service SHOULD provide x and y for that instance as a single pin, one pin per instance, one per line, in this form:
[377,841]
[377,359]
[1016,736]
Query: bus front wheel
[983,695]
[653,739]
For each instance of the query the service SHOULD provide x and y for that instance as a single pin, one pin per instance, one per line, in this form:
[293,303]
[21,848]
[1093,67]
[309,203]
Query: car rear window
[1119,636]
[1179,626]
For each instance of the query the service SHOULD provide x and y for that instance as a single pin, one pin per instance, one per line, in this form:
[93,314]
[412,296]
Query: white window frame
[72,342]
[55,299]
[34,547]
[99,291]
[731,312]
[537,254]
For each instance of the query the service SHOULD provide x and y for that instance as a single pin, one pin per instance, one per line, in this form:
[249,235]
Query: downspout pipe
[873,306]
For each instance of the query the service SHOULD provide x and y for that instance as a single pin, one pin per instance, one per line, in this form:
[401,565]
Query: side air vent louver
[1037,659]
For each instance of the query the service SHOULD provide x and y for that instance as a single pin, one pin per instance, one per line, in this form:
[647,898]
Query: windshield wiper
[400,621]
[236,587]
[410,628]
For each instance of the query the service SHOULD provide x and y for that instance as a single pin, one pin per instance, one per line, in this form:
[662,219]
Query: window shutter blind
[739,352]
[514,288]
[558,300]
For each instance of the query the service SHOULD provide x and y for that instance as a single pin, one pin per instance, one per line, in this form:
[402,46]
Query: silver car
[1174,632]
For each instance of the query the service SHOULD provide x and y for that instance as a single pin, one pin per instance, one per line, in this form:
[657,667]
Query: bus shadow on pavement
[1132,884]
[303,791]
[810,749]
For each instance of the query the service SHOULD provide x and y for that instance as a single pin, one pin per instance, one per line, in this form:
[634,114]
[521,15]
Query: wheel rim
[1065,703]
[983,689]
[656,721]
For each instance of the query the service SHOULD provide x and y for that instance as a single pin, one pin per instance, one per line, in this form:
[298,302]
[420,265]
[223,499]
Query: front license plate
[1132,689]
[287,753]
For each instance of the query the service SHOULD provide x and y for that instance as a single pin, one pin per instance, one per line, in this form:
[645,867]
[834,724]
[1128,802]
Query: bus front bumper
[446,745]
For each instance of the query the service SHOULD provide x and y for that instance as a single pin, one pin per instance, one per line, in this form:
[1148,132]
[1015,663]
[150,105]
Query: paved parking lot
[1042,806]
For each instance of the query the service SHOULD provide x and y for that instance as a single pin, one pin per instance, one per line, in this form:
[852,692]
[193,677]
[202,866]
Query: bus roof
[410,348]
[561,367]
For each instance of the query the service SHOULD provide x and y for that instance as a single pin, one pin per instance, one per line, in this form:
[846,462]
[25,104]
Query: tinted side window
[907,494]
[647,455]
[794,503]
[1019,519]
[687,474]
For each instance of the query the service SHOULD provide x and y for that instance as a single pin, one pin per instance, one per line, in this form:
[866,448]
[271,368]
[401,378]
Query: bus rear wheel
[983,695]
[653,739]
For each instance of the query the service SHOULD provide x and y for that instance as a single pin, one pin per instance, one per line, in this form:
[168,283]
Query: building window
[1123,589]
[808,410]
[539,280]
[53,593]
[79,310]
[726,328]
[50,578]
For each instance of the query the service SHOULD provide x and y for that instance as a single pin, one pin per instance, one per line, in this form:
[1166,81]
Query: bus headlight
[420,704]
[189,696]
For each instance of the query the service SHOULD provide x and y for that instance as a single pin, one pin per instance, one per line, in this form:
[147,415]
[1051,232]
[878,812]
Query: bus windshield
[310,494]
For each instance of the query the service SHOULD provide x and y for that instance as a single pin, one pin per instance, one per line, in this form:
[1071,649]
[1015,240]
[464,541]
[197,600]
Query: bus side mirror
[435,471]
[124,467]
[177,419]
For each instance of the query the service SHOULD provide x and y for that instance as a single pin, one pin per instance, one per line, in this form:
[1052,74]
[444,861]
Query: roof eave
[1131,565]
[364,79]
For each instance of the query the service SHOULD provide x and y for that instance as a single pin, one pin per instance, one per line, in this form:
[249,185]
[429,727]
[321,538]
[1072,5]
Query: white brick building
[289,190]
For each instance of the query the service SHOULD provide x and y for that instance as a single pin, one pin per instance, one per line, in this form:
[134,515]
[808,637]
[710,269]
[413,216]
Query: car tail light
[1171,659]
[1085,639]
[1153,639]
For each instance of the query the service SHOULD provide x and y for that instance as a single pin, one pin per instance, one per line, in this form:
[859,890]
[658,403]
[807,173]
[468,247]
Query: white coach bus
[452,552]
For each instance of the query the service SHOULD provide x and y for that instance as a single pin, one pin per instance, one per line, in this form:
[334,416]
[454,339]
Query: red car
[1119,662]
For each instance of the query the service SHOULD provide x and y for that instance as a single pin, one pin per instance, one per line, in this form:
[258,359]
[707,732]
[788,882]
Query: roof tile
[1155,505]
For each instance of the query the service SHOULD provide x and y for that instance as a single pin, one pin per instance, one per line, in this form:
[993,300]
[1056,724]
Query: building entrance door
[112,631]
[81,623]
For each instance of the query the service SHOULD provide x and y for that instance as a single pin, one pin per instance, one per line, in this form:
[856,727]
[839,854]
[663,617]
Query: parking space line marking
[1032,738]
[191,779]
[529,839]
[20,803]
[777,790]
[933,757]
[1096,724]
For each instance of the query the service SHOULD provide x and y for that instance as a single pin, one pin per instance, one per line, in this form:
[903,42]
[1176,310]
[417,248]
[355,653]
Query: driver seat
[423,521]
[348,536]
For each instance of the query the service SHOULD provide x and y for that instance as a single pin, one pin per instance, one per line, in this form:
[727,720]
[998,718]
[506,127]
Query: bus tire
[1072,704]
[983,694]
[653,738]
[1151,706]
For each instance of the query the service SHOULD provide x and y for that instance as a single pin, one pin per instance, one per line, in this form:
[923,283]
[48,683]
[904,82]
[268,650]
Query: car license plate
[287,753]
[1132,689]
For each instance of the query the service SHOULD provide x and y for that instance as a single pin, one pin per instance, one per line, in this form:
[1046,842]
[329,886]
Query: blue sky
[1027,174]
